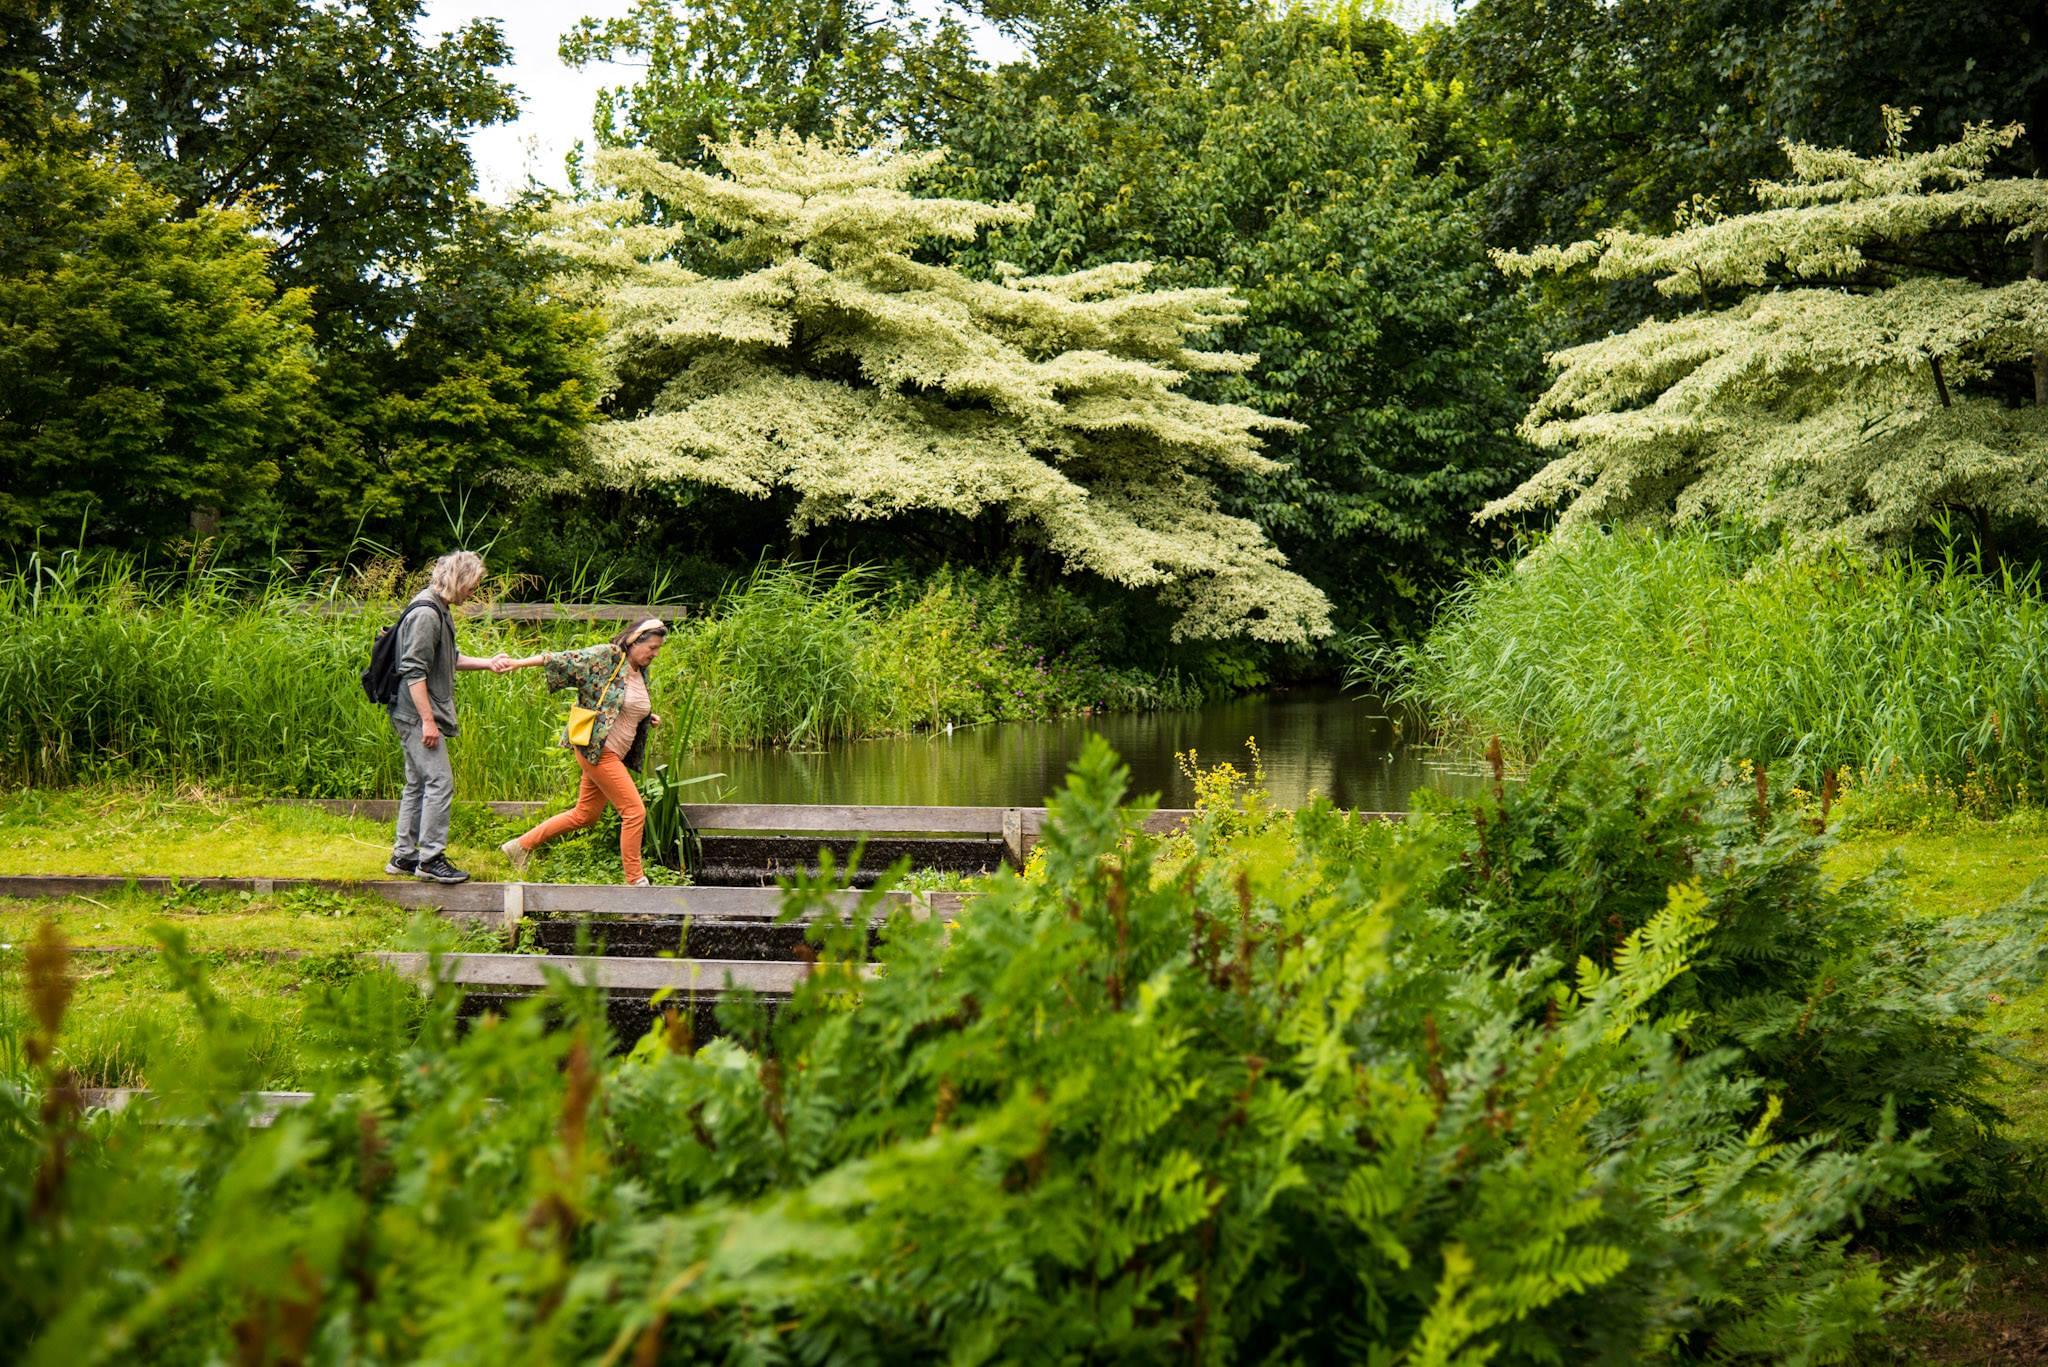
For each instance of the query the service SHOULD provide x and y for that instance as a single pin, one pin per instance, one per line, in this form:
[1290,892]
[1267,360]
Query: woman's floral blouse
[587,671]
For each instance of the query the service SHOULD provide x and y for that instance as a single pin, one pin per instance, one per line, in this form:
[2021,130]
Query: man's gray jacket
[426,650]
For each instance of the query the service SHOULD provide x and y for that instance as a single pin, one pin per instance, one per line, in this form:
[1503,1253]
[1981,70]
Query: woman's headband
[653,626]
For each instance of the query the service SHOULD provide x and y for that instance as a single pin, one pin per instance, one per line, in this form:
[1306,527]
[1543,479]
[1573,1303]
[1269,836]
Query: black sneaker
[439,870]
[402,864]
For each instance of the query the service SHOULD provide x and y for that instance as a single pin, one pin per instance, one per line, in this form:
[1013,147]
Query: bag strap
[614,678]
[407,612]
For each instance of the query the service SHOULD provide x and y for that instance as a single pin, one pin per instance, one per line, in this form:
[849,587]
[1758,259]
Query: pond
[1311,740]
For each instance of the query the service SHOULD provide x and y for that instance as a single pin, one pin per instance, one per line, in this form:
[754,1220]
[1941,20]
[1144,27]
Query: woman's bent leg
[616,780]
[589,806]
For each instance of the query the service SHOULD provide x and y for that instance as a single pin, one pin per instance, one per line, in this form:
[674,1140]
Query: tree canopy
[820,355]
[1840,394]
[154,376]
[1313,168]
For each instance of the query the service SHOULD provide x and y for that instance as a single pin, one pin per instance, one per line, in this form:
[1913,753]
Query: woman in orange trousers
[610,680]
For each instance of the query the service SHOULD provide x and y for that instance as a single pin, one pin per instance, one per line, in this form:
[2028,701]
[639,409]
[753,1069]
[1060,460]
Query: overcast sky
[556,101]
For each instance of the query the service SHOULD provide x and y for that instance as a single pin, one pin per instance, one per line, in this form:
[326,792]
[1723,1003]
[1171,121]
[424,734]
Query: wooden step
[532,971]
[505,901]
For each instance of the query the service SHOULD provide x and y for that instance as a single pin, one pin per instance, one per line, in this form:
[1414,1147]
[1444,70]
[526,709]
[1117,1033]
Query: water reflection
[1312,741]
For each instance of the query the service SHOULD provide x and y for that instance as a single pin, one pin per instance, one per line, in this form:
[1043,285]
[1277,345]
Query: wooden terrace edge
[510,901]
[612,974]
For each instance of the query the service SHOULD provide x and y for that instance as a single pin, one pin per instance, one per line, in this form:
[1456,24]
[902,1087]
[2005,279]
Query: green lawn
[103,830]
[1960,867]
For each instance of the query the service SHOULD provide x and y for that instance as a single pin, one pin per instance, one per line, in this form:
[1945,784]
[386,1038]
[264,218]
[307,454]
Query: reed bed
[208,679]
[1704,647]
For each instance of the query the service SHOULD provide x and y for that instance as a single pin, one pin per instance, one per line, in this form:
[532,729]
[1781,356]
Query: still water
[1311,741]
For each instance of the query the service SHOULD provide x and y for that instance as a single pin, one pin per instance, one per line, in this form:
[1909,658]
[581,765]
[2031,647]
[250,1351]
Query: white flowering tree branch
[828,360]
[1841,397]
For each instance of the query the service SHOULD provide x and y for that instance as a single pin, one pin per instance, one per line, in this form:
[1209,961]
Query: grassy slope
[1966,867]
[128,1018]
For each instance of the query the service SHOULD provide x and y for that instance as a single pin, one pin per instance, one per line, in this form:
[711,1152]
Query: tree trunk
[2040,272]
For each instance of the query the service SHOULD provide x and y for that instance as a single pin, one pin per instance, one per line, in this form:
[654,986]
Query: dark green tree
[477,405]
[154,375]
[1312,168]
[870,67]
[1611,111]
[340,126]
[340,129]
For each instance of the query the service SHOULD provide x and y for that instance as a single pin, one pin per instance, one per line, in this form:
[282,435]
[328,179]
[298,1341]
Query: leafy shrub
[1855,1018]
[1256,1095]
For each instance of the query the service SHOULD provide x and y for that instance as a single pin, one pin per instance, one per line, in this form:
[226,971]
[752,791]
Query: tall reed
[1703,647]
[211,679]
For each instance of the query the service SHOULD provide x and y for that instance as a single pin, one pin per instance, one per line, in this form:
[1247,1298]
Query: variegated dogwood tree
[1828,382]
[811,345]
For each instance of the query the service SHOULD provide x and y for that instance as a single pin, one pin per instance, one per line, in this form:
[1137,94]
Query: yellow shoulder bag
[582,721]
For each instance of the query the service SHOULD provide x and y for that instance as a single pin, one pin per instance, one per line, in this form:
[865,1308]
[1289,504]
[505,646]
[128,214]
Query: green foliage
[1262,1101]
[1702,650]
[1839,1004]
[1845,392]
[1609,113]
[340,127]
[818,355]
[441,364]
[153,373]
[487,393]
[713,72]
[671,838]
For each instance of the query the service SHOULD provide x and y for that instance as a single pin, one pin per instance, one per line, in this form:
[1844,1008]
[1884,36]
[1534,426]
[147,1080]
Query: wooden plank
[873,820]
[268,1105]
[506,900]
[995,823]
[868,820]
[526,612]
[461,897]
[723,903]
[531,971]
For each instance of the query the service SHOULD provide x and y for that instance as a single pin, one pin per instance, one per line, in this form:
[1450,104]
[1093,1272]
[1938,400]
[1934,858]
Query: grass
[133,832]
[1953,865]
[198,679]
[1705,649]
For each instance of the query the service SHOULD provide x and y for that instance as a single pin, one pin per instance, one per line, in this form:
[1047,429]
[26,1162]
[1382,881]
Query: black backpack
[380,680]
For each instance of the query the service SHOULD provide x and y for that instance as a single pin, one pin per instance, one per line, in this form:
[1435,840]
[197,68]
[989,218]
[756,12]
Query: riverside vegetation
[201,678]
[1490,1083]
[1708,647]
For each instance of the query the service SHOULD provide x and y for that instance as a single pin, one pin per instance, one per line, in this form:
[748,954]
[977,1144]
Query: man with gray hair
[423,715]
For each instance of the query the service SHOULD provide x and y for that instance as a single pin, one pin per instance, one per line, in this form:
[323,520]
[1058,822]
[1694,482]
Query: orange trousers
[606,781]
